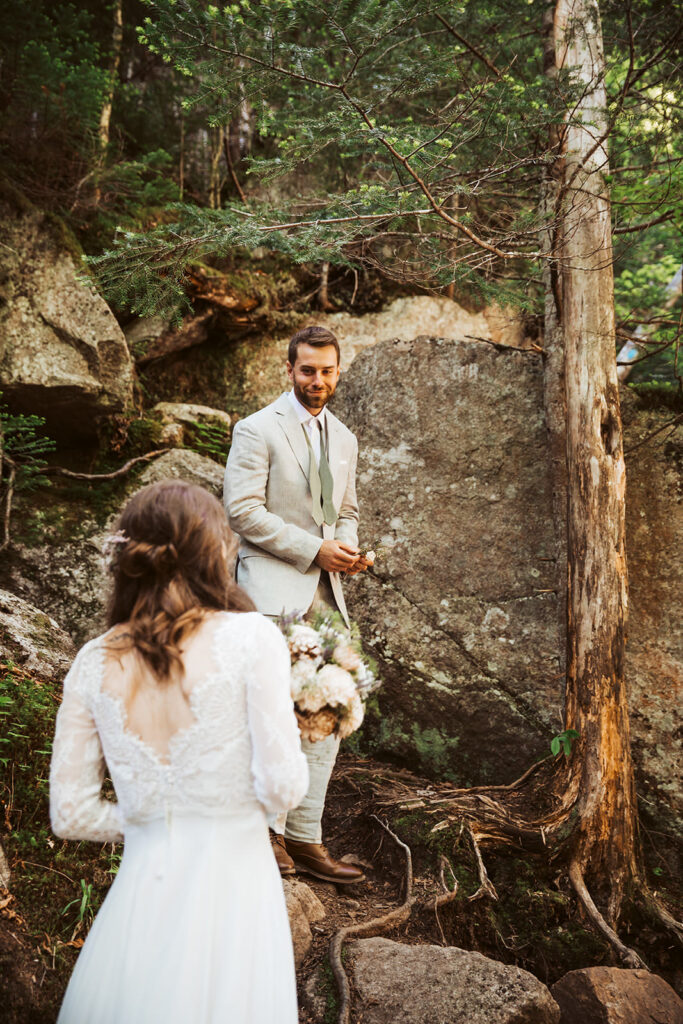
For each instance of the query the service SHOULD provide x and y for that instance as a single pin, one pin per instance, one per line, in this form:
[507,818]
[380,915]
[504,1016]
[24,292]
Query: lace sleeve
[279,768]
[77,808]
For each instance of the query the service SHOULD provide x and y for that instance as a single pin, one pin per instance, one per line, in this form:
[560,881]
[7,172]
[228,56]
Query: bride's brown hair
[170,564]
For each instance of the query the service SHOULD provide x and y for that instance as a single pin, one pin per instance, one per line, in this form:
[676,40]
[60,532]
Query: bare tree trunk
[604,843]
[105,114]
[323,294]
[554,392]
[181,164]
[215,177]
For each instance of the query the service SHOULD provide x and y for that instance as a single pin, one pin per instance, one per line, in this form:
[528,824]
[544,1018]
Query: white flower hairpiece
[112,539]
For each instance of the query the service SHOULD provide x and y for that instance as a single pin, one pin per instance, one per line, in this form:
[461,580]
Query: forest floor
[533,920]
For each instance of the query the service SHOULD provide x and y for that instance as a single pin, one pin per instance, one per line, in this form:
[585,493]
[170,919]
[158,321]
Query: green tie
[321,483]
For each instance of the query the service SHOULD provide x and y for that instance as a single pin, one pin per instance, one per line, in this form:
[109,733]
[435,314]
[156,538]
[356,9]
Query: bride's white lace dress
[194,928]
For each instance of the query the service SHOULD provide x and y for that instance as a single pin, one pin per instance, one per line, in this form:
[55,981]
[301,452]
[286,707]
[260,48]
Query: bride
[186,698]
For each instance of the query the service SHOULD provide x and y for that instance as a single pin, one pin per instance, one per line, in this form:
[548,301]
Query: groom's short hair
[318,337]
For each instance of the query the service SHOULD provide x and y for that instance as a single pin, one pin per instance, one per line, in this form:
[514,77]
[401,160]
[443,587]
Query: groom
[290,494]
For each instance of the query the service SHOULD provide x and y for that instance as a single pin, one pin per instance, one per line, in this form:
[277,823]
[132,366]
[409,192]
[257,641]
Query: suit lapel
[291,426]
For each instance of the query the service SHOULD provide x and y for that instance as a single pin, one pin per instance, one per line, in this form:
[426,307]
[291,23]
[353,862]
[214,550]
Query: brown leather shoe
[314,859]
[284,861]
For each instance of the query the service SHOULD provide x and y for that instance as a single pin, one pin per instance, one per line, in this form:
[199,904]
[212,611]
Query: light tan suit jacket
[268,503]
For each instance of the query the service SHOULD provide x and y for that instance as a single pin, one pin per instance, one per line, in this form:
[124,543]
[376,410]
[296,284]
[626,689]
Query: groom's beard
[314,398]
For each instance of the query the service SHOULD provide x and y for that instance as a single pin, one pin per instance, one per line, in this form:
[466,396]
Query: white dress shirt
[310,422]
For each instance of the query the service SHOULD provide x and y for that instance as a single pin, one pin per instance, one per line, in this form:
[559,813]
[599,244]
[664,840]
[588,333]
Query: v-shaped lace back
[238,747]
[155,713]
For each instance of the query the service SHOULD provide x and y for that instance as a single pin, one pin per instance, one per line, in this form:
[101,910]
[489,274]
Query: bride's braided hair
[170,564]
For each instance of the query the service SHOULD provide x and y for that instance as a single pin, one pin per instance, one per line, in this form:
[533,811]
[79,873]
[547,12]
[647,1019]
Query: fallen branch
[629,956]
[59,471]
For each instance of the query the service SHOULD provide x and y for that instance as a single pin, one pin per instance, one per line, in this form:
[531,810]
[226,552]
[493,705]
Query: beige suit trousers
[304,823]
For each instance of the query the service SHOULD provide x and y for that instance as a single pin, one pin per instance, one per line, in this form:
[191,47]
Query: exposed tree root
[654,909]
[629,956]
[486,886]
[533,813]
[402,914]
[448,894]
[369,928]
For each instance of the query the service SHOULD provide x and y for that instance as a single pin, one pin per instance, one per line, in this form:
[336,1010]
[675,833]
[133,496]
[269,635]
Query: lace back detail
[241,746]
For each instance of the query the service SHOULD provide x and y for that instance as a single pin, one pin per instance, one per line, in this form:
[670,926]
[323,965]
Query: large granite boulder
[612,995]
[250,372]
[62,353]
[33,640]
[461,607]
[184,464]
[304,909]
[654,648]
[425,984]
[70,579]
[179,419]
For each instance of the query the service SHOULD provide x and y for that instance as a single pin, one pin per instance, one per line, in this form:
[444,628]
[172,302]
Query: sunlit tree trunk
[105,114]
[604,851]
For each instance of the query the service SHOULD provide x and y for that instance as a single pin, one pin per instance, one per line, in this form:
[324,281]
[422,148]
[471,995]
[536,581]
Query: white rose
[304,640]
[353,719]
[302,676]
[336,684]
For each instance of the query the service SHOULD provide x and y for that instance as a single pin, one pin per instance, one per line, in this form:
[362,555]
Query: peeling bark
[596,706]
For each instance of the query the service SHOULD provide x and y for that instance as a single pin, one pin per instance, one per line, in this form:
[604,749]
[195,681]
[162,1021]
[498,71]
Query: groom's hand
[334,556]
[359,566]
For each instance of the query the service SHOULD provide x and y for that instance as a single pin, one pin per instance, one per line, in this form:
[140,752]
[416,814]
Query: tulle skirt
[194,930]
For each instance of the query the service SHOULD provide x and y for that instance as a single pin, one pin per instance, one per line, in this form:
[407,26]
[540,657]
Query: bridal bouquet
[331,677]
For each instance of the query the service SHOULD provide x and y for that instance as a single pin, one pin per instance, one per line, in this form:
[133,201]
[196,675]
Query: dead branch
[448,895]
[59,471]
[469,46]
[629,956]
[671,423]
[497,344]
[628,228]
[408,856]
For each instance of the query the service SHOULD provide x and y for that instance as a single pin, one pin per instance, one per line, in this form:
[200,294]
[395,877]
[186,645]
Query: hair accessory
[111,540]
